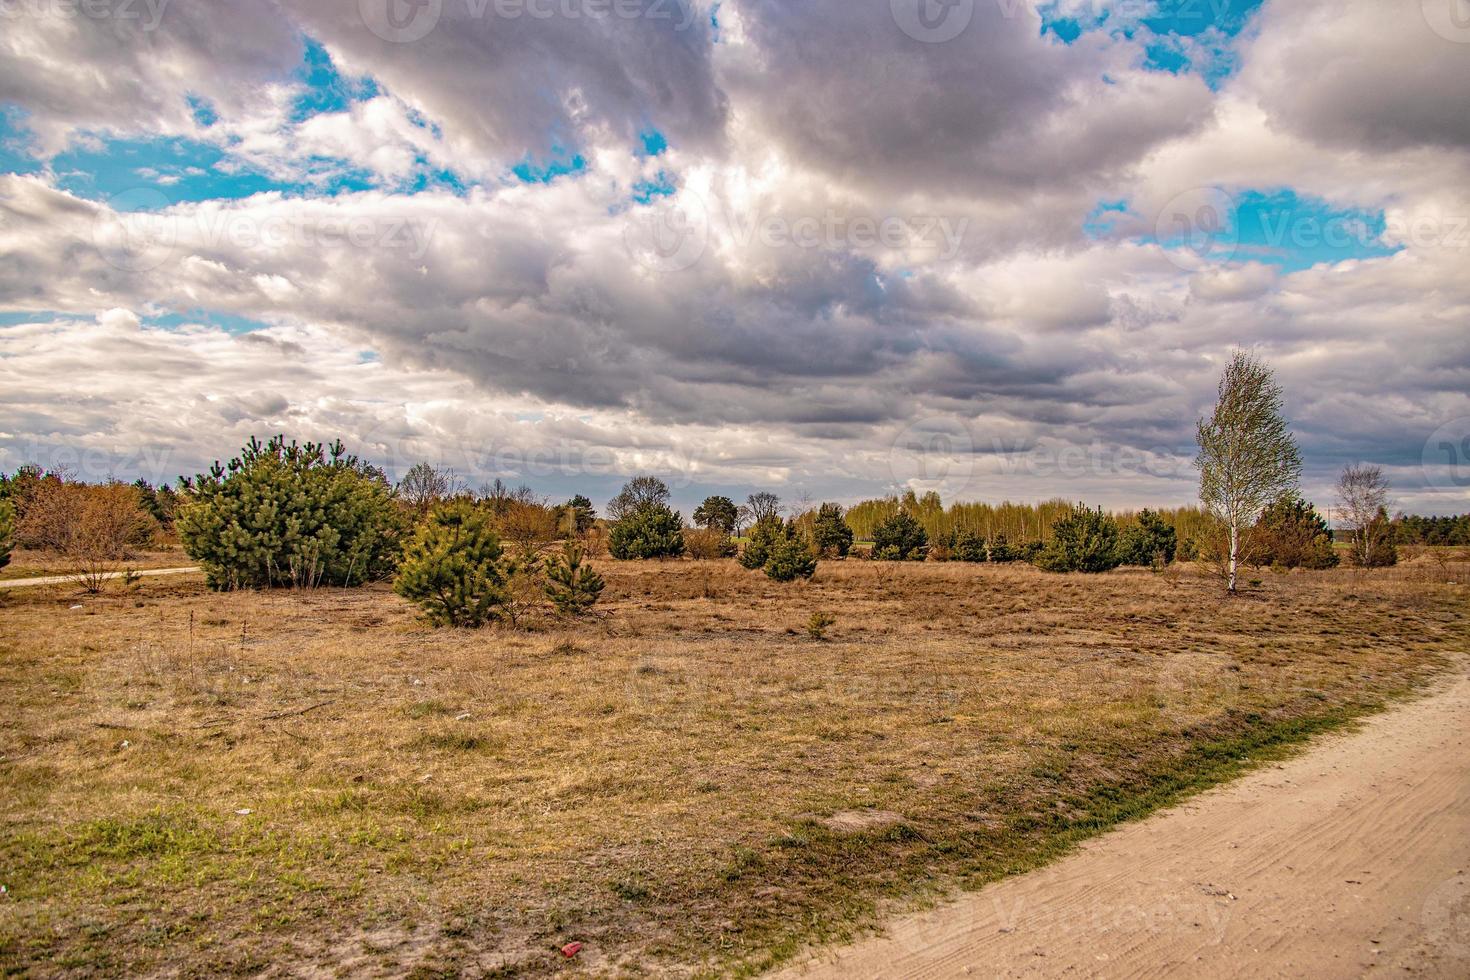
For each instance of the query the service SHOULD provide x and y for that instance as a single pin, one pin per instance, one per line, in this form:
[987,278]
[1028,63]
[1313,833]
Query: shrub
[21,488]
[7,531]
[900,538]
[817,626]
[94,527]
[1290,534]
[572,587]
[454,568]
[791,558]
[300,515]
[77,519]
[830,532]
[1001,552]
[966,545]
[1148,542]
[646,532]
[709,543]
[161,503]
[767,533]
[1084,541]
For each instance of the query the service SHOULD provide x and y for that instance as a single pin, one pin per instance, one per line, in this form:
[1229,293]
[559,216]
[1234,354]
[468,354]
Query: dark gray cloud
[514,320]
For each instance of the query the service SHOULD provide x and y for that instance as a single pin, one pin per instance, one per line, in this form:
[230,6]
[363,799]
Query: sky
[997,249]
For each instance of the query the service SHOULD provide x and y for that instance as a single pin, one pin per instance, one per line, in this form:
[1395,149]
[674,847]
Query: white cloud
[885,235]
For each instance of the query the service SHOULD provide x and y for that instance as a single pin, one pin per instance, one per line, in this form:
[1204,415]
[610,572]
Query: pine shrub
[647,531]
[791,559]
[572,586]
[1290,534]
[830,532]
[1148,542]
[455,569]
[1084,541]
[764,537]
[298,515]
[900,538]
[966,545]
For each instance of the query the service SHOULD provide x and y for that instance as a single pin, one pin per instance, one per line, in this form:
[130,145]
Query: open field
[688,783]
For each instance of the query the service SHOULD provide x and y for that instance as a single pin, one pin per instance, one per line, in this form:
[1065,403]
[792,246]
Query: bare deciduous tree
[637,494]
[1362,494]
[1247,458]
[764,506]
[424,486]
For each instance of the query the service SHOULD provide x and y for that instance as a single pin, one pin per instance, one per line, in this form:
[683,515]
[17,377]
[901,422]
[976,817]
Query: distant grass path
[19,583]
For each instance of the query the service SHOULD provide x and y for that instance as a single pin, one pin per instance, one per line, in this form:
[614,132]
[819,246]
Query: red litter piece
[571,949]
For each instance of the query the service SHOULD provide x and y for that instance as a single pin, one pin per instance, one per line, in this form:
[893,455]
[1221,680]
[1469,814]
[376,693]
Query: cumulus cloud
[855,242]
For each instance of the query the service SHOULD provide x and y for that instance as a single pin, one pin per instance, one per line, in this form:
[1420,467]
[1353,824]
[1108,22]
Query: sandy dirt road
[23,583]
[1351,860]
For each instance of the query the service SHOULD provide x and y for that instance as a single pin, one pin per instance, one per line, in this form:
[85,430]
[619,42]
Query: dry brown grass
[659,783]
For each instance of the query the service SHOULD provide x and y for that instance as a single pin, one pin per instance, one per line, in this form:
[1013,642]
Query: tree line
[305,515]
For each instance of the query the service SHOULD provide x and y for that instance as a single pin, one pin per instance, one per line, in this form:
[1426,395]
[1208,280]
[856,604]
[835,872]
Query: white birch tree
[1247,458]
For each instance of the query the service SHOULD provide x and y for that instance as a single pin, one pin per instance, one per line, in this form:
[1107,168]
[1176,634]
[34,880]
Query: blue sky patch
[530,171]
[327,89]
[662,185]
[1294,232]
[1276,227]
[203,111]
[1181,36]
[180,169]
[228,322]
[1161,56]
[654,143]
[15,319]
[1189,18]
[1098,224]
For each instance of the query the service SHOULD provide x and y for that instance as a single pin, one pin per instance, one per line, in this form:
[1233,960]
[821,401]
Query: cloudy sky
[833,248]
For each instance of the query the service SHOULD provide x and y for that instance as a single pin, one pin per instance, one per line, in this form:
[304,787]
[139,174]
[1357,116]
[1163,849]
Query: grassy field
[688,783]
